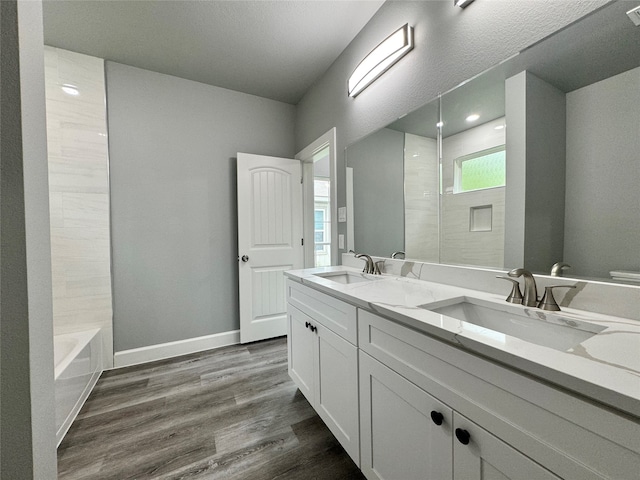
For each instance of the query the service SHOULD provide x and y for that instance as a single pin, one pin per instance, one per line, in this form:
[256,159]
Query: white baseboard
[161,351]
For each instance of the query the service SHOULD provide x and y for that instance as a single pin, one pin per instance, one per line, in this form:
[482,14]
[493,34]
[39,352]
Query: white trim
[350,228]
[306,154]
[161,351]
[66,425]
[307,219]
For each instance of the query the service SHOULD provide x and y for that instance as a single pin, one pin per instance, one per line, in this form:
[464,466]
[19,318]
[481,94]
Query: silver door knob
[245,258]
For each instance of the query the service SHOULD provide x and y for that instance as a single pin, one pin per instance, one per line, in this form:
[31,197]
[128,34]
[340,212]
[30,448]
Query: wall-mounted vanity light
[461,3]
[380,59]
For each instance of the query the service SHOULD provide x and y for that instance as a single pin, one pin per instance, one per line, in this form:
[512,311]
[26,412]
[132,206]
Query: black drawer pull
[437,417]
[463,436]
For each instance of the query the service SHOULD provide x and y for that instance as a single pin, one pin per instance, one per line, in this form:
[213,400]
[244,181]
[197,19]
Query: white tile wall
[79,195]
[421,197]
[458,245]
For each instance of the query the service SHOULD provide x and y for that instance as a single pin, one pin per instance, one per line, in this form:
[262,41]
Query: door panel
[399,439]
[337,389]
[269,241]
[486,457]
[302,353]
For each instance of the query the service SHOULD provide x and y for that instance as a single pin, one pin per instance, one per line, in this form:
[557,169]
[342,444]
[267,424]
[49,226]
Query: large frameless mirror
[536,161]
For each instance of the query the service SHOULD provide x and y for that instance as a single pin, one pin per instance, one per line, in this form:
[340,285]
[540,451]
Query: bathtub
[78,365]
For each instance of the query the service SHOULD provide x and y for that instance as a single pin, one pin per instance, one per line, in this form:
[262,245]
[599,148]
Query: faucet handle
[379,266]
[548,301]
[558,267]
[516,295]
[368,267]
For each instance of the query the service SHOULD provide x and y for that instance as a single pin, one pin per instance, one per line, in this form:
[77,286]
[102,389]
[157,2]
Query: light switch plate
[341,241]
[342,214]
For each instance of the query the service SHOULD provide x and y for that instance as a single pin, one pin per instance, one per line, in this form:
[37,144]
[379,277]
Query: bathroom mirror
[548,171]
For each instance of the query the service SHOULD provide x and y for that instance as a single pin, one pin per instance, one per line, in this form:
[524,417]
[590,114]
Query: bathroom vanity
[424,380]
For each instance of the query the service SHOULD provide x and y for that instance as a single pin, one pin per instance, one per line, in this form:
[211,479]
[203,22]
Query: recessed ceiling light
[70,89]
[473,117]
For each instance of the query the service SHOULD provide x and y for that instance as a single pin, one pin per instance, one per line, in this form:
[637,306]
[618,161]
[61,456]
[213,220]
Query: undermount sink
[345,277]
[529,324]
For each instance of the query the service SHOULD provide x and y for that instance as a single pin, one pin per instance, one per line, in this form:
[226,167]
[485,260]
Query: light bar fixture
[461,3]
[380,59]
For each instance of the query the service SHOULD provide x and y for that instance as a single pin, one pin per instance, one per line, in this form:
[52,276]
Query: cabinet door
[337,389]
[302,352]
[399,438]
[488,458]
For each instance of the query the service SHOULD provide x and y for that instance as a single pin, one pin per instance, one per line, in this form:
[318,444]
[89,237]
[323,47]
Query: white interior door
[269,241]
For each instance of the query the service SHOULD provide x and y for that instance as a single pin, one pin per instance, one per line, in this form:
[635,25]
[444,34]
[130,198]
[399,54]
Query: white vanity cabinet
[323,360]
[406,433]
[406,405]
[517,426]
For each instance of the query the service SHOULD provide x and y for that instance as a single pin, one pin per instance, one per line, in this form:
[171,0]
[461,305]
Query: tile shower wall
[421,197]
[79,195]
[458,244]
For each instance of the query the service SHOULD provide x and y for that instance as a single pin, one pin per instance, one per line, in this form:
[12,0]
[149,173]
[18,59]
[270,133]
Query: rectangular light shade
[381,58]
[462,3]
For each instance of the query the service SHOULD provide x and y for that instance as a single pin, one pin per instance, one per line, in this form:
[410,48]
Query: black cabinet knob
[437,417]
[463,436]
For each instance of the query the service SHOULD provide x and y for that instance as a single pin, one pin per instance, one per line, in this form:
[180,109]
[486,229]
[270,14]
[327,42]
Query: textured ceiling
[273,49]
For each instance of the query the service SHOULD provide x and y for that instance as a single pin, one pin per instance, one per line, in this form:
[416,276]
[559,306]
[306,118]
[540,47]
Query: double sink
[533,325]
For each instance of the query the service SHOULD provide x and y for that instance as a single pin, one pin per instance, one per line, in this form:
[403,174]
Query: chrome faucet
[558,267]
[397,254]
[370,266]
[530,291]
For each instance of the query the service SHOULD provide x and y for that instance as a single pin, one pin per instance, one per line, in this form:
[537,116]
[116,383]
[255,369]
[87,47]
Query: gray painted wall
[545,175]
[602,215]
[173,146]
[27,415]
[452,45]
[378,193]
[536,140]
[516,151]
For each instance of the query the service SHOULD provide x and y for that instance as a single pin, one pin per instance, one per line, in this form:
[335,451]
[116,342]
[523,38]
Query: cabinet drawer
[570,436]
[336,315]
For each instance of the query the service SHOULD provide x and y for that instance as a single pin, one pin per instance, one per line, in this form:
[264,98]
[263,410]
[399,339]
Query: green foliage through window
[480,170]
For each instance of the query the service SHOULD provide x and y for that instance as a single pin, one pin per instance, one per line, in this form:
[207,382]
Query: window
[321,223]
[480,170]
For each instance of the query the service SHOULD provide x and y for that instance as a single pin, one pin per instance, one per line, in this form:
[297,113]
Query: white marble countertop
[604,367]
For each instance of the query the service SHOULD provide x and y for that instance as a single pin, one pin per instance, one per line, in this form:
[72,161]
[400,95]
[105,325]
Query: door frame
[306,157]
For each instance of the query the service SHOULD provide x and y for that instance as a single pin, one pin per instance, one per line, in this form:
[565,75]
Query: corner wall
[603,172]
[377,161]
[27,413]
[173,145]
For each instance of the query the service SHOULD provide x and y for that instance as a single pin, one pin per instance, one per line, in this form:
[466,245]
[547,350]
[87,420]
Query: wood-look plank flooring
[231,413]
